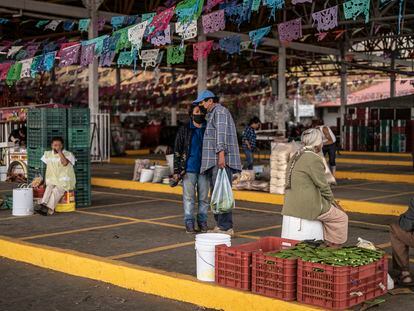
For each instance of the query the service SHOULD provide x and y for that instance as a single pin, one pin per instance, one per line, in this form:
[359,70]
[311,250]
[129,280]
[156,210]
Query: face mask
[203,109]
[199,118]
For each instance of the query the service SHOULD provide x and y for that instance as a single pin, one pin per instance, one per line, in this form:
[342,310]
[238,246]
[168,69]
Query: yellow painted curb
[379,154]
[252,196]
[168,285]
[375,162]
[138,152]
[402,178]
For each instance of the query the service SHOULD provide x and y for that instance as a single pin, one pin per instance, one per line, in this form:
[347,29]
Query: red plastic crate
[234,263]
[274,277]
[340,288]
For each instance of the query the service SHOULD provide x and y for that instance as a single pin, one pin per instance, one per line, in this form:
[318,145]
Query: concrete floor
[146,229]
[364,190]
[30,288]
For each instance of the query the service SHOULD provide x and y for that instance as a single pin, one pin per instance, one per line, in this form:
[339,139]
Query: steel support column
[93,82]
[393,77]
[201,67]
[344,98]
[281,78]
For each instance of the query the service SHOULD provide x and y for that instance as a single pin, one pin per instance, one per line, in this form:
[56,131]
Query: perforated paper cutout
[291,30]
[244,45]
[214,22]
[84,24]
[98,41]
[87,55]
[117,21]
[42,23]
[321,35]
[136,34]
[257,35]
[14,73]
[231,45]
[176,54]
[36,65]
[147,17]
[13,50]
[326,19]
[256,5]
[110,43]
[49,61]
[274,5]
[123,42]
[202,49]
[163,38]
[53,24]
[68,25]
[126,58]
[186,31]
[294,2]
[211,4]
[188,10]
[26,68]
[69,55]
[100,23]
[160,22]
[4,69]
[149,57]
[107,59]
[354,8]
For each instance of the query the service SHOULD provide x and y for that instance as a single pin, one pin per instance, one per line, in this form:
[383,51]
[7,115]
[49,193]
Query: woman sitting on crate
[308,195]
[60,176]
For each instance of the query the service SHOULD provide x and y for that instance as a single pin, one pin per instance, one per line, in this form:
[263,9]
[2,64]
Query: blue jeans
[224,221]
[249,158]
[193,182]
[331,151]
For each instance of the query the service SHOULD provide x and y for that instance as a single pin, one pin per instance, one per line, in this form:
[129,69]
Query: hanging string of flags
[129,32]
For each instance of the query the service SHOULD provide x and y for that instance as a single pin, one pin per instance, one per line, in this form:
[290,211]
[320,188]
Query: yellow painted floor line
[387,196]
[138,152]
[257,197]
[357,185]
[373,189]
[18,217]
[259,229]
[142,279]
[380,154]
[400,178]
[38,236]
[151,250]
[375,162]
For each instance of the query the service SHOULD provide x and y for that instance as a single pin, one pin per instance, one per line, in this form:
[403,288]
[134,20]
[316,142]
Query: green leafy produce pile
[346,256]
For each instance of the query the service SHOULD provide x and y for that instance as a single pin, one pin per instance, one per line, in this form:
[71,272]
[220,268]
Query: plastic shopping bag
[222,200]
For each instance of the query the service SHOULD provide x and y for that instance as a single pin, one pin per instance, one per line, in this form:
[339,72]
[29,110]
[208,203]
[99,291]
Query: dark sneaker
[43,210]
[189,228]
[203,227]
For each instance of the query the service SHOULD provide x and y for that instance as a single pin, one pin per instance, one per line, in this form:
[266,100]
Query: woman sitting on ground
[308,195]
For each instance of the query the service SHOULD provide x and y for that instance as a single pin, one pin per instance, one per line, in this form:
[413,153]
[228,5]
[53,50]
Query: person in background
[187,162]
[402,238]
[18,136]
[220,150]
[249,141]
[308,195]
[60,176]
[329,146]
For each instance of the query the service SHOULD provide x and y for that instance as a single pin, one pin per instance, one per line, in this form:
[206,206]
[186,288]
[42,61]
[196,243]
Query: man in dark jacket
[187,163]
[402,238]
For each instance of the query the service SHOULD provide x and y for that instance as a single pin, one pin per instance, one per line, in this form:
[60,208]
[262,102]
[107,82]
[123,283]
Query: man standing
[329,146]
[249,141]
[220,149]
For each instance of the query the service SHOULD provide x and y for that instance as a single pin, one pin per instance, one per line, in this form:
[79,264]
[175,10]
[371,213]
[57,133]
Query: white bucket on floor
[3,173]
[170,161]
[22,202]
[146,175]
[301,229]
[205,246]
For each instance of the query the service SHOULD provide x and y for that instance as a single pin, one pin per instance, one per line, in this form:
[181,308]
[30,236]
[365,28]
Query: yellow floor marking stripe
[138,152]
[151,250]
[151,281]
[121,204]
[375,162]
[357,185]
[373,189]
[380,154]
[18,217]
[259,229]
[357,222]
[388,196]
[401,178]
[257,197]
[253,237]
[78,230]
[108,215]
[384,245]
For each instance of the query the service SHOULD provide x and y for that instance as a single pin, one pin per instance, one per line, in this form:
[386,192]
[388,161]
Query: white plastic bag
[222,200]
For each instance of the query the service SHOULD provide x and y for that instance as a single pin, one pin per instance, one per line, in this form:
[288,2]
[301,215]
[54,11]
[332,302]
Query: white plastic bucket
[146,175]
[301,229]
[22,202]
[3,173]
[205,246]
[160,172]
[170,161]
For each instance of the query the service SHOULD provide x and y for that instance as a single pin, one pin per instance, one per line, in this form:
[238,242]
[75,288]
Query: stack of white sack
[279,159]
